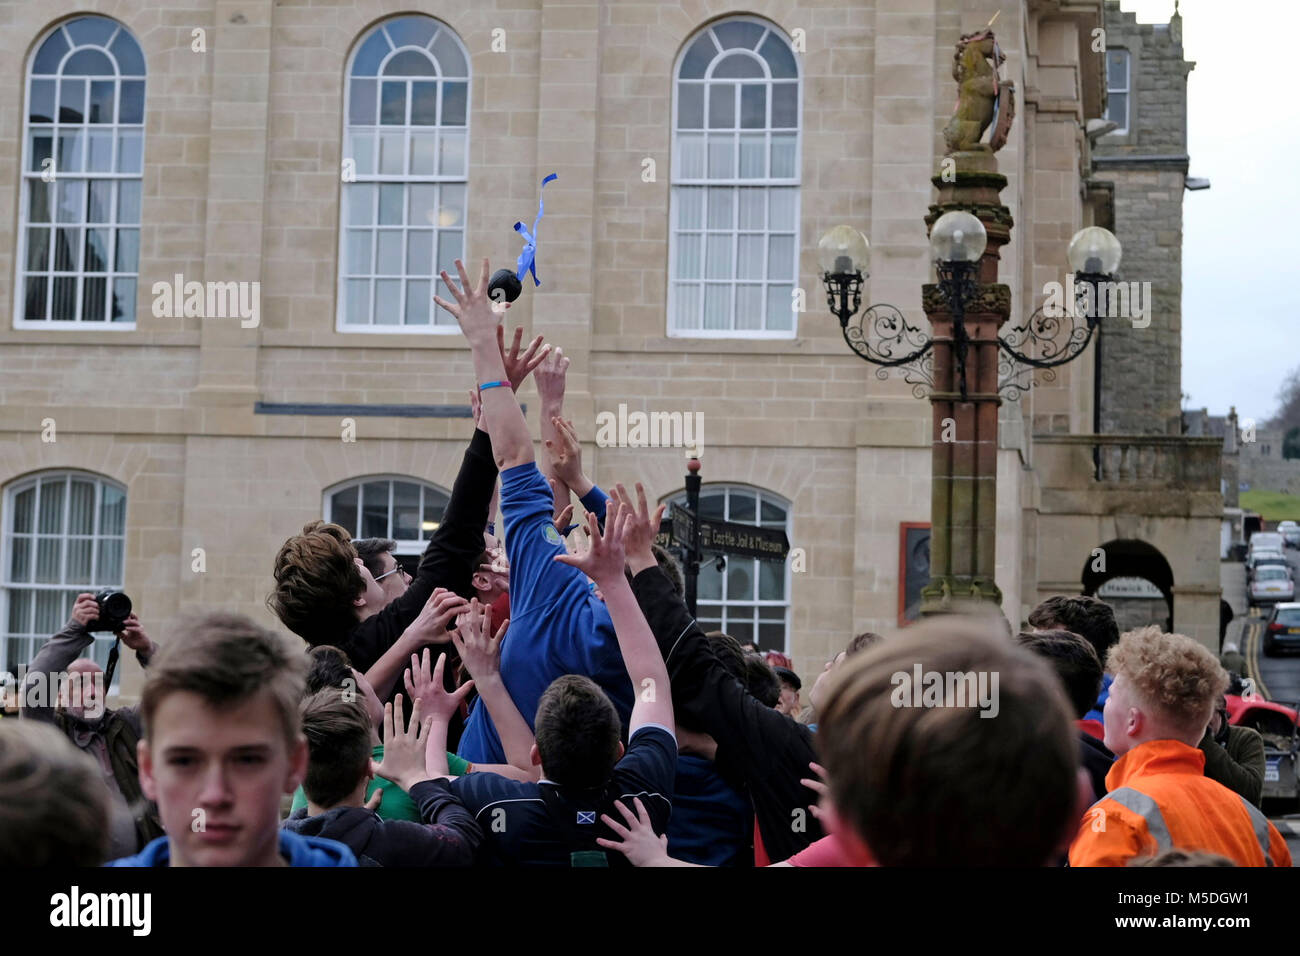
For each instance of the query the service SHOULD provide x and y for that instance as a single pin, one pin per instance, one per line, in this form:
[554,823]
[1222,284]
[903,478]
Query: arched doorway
[1134,578]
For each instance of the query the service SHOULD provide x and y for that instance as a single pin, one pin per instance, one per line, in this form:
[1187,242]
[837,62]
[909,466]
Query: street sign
[766,544]
[683,522]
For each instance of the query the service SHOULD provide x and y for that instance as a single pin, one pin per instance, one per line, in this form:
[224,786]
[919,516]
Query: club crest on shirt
[586,816]
[551,535]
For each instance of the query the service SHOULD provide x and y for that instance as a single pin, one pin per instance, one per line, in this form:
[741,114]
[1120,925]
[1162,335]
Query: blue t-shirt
[557,626]
[521,828]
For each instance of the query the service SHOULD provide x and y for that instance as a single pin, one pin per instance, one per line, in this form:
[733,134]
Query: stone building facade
[181,450]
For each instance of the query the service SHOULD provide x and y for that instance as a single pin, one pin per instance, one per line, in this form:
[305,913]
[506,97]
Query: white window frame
[721,605]
[1126,89]
[707,183]
[448,325]
[26,175]
[103,640]
[406,547]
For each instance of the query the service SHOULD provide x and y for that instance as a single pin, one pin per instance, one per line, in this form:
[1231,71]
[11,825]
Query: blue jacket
[300,850]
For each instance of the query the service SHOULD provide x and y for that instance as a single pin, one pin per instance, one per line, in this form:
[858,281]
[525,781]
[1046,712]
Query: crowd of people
[551,701]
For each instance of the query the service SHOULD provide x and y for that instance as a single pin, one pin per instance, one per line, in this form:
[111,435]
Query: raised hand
[438,704]
[603,560]
[430,625]
[85,610]
[640,844]
[479,649]
[566,453]
[550,378]
[472,308]
[133,635]
[819,786]
[403,761]
[418,678]
[641,527]
[519,366]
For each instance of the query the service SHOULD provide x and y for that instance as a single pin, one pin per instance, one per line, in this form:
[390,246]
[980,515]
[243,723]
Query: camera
[114,609]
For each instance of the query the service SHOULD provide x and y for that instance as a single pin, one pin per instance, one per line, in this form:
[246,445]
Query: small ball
[504,286]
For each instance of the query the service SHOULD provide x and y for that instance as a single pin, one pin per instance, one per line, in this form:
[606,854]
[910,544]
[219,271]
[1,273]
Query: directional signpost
[683,528]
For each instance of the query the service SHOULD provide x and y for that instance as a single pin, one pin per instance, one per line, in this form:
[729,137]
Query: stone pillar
[964,441]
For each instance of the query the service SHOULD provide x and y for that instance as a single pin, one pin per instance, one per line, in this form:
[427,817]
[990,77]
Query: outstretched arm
[511,443]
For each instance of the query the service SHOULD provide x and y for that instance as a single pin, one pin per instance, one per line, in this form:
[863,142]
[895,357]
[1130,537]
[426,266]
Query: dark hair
[761,681]
[577,731]
[338,732]
[729,653]
[669,566]
[787,676]
[861,642]
[1074,661]
[1090,618]
[370,550]
[327,667]
[929,786]
[54,806]
[316,581]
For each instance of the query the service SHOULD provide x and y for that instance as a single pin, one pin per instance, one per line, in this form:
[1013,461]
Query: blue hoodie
[300,851]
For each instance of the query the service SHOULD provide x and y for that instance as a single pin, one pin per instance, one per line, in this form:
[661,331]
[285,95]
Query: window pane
[128,202]
[49,557]
[686,306]
[392,103]
[92,31]
[749,307]
[388,302]
[406,511]
[780,258]
[449,56]
[453,103]
[740,507]
[64,306]
[109,561]
[452,148]
[128,250]
[709,584]
[359,244]
[21,563]
[785,105]
[771,637]
[370,53]
[782,208]
[712,504]
[38,201]
[451,206]
[390,204]
[24,511]
[690,207]
[749,257]
[740,578]
[783,155]
[36,298]
[72,101]
[93,296]
[96,255]
[130,107]
[343,509]
[418,303]
[38,249]
[743,34]
[391,146]
[67,250]
[722,106]
[388,262]
[358,302]
[50,53]
[130,61]
[720,208]
[80,551]
[424,149]
[374,509]
[772,513]
[449,250]
[779,300]
[101,101]
[690,156]
[738,66]
[361,203]
[408,63]
[49,612]
[753,150]
[81,508]
[1117,69]
[718,261]
[752,203]
[72,144]
[361,150]
[422,205]
[424,104]
[779,57]
[698,57]
[40,148]
[112,511]
[128,152]
[72,200]
[722,156]
[689,265]
[690,106]
[419,253]
[99,158]
[753,106]
[1117,109]
[742,629]
[123,300]
[40,108]
[361,103]
[717,306]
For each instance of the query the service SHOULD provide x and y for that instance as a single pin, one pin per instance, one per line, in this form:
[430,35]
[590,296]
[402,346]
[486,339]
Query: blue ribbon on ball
[528,258]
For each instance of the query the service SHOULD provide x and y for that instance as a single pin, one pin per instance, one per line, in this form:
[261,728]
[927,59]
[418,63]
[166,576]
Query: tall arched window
[64,533]
[83,162]
[734,256]
[405,509]
[747,598]
[406,138]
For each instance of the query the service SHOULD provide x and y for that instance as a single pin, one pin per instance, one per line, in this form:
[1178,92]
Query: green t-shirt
[396,803]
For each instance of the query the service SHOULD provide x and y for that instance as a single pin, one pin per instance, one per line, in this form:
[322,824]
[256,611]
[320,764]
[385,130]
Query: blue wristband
[486,385]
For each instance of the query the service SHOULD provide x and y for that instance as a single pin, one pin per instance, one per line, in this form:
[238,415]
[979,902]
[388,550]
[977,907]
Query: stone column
[963,508]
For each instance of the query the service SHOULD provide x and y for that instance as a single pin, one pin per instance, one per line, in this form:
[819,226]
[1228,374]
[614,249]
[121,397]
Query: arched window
[747,598]
[406,138]
[64,533]
[82,171]
[734,256]
[405,509]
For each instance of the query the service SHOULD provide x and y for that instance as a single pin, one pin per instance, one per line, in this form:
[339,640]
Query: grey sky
[1241,237]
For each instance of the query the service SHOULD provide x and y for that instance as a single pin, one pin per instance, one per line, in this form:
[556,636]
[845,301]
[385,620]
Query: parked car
[1282,632]
[1271,584]
[1290,532]
[1263,559]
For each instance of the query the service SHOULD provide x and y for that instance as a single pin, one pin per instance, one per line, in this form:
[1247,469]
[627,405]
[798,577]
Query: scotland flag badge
[586,816]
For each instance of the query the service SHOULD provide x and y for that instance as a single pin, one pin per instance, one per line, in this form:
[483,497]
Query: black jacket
[1240,764]
[448,562]
[1097,760]
[447,837]
[769,751]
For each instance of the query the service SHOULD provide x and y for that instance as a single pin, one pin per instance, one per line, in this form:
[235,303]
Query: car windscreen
[1289,616]
[1272,574]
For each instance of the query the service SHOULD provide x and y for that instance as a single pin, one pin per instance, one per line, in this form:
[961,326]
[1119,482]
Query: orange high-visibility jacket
[1159,798]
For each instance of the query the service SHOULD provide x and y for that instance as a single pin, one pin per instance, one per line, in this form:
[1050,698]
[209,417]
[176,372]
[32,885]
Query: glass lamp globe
[1094,250]
[957,237]
[843,251]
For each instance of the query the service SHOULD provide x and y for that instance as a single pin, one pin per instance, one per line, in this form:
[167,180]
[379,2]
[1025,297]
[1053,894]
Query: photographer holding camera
[109,736]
